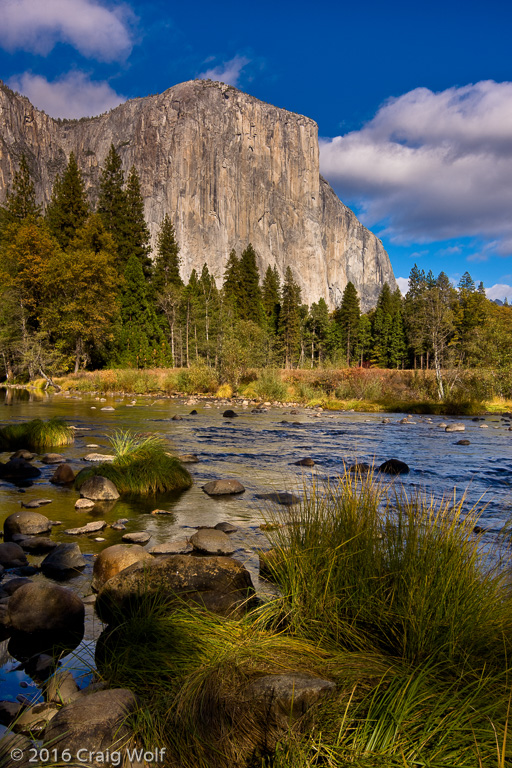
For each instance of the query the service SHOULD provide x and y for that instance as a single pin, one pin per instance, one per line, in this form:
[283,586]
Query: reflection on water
[13,395]
[259,450]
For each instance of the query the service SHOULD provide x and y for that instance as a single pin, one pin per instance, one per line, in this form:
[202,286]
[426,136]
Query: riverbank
[359,389]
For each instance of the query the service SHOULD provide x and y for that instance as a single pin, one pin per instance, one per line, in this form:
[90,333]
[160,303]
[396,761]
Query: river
[259,450]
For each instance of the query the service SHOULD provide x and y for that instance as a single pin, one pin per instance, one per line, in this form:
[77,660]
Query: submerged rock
[457,426]
[223,487]
[394,467]
[17,470]
[279,497]
[94,527]
[307,462]
[229,414]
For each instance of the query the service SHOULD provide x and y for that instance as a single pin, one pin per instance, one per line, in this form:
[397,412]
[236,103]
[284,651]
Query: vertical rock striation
[227,168]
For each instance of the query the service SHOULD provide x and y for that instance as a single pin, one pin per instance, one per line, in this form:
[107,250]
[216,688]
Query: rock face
[227,168]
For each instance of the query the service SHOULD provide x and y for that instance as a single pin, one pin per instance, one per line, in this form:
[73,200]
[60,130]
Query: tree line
[79,289]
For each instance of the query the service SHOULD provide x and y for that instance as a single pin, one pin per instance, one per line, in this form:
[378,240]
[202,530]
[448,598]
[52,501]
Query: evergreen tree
[137,232]
[167,265]
[113,205]
[21,199]
[140,338]
[271,298]
[347,319]
[318,327]
[439,316]
[414,314]
[364,338]
[289,320]
[210,310]
[68,208]
[232,297]
[250,304]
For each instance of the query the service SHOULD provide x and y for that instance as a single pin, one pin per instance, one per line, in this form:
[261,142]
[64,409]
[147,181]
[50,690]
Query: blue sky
[413,100]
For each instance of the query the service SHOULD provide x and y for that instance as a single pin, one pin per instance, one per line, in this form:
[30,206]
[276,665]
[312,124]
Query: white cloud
[499,291]
[228,72]
[403,284]
[94,30]
[432,166]
[73,95]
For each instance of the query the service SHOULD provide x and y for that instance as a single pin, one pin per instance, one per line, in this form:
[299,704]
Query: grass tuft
[142,466]
[36,435]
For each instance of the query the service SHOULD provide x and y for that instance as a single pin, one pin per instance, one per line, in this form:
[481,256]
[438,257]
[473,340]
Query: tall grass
[142,466]
[36,435]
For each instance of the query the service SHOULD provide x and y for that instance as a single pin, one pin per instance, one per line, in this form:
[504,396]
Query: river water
[260,451]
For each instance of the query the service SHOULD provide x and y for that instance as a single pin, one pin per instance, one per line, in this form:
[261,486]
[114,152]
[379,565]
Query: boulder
[94,527]
[53,458]
[26,523]
[226,527]
[61,687]
[138,537]
[223,487]
[99,457]
[84,504]
[99,488]
[63,559]
[35,719]
[115,559]
[11,586]
[180,547]
[229,414]
[212,542]
[463,442]
[283,698]
[177,418]
[394,467]
[16,744]
[307,462]
[35,545]
[45,607]
[219,584]
[18,470]
[457,426]
[93,723]
[23,454]
[12,555]
[63,475]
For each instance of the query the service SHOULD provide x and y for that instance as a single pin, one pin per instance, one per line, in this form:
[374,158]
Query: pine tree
[318,326]
[414,314]
[140,338]
[347,318]
[137,232]
[251,306]
[68,208]
[231,286]
[271,298]
[166,270]
[289,320]
[21,199]
[113,205]
[364,338]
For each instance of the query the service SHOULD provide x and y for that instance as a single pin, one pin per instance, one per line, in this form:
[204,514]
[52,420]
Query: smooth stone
[284,698]
[118,527]
[180,547]
[138,537]
[45,607]
[162,512]
[193,412]
[35,719]
[226,527]
[18,469]
[84,504]
[107,408]
[53,458]
[99,488]
[95,723]
[13,585]
[26,523]
[99,457]
[484,426]
[223,487]
[188,458]
[394,467]
[305,463]
[23,454]
[12,555]
[458,426]
[61,687]
[219,584]
[177,418]
[212,542]
[63,475]
[36,545]
[114,559]
[94,527]
[64,558]
[229,414]
[35,503]
[463,442]
[279,497]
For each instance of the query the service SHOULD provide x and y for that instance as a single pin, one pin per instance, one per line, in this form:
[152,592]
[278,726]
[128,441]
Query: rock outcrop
[227,168]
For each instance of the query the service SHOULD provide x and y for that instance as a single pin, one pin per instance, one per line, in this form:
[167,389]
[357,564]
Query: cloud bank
[228,72]
[432,166]
[38,25]
[73,95]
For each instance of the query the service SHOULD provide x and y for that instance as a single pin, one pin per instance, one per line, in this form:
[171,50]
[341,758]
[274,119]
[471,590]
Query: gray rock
[16,470]
[36,545]
[138,537]
[84,504]
[457,426]
[394,467]
[35,719]
[12,555]
[61,687]
[53,458]
[26,523]
[308,462]
[180,547]
[220,584]
[63,475]
[107,408]
[23,454]
[18,744]
[463,442]
[114,559]
[279,497]
[95,722]
[11,586]
[229,414]
[223,487]
[188,458]
[282,699]
[99,488]
[94,527]
[212,542]
[99,457]
[226,527]
[45,607]
[64,558]
[118,527]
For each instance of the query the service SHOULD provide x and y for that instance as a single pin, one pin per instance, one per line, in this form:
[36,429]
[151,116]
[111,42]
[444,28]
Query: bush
[197,378]
[269,386]
[36,435]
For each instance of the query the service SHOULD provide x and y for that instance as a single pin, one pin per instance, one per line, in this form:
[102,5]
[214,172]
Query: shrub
[197,378]
[36,435]
[269,386]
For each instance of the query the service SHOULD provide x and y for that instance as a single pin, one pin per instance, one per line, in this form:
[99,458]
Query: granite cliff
[228,169]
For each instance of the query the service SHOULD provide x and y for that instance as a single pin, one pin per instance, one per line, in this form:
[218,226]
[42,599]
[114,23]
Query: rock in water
[212,542]
[26,523]
[394,467]
[242,171]
[114,559]
[45,607]
[98,488]
[223,487]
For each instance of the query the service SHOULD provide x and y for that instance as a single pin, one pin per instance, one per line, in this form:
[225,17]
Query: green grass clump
[269,386]
[142,466]
[36,435]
